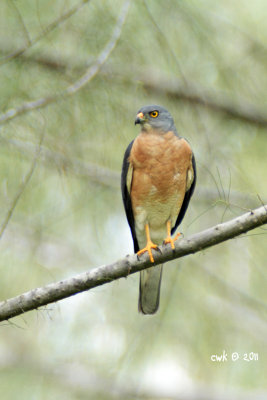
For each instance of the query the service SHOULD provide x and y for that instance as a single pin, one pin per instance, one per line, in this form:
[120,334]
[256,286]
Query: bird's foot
[149,246]
[171,240]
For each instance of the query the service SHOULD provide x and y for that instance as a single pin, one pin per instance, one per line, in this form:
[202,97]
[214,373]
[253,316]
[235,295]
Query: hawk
[157,181]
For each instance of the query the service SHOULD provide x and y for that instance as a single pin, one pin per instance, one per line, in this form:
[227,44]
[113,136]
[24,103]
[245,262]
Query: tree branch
[158,84]
[49,28]
[22,187]
[96,173]
[131,264]
[213,100]
[80,82]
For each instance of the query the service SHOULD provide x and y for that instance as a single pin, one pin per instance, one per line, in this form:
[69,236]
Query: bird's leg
[149,245]
[169,239]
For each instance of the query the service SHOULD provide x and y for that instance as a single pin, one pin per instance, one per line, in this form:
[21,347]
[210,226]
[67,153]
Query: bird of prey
[157,181]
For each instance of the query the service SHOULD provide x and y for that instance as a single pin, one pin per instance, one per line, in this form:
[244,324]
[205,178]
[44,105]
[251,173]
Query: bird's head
[155,118]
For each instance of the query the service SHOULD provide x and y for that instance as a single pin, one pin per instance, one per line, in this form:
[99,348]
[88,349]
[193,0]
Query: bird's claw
[171,240]
[149,246]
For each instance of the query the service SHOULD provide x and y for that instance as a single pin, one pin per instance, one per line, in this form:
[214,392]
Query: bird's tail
[149,289]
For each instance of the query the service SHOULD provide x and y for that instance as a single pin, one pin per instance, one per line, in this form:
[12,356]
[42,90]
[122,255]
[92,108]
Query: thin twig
[162,37]
[22,187]
[131,264]
[104,55]
[49,28]
[79,83]
[21,20]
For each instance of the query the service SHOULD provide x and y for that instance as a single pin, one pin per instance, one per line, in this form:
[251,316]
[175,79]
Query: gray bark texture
[131,264]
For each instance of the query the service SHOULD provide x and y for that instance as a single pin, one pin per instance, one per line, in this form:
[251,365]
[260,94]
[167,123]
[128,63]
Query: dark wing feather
[187,197]
[126,195]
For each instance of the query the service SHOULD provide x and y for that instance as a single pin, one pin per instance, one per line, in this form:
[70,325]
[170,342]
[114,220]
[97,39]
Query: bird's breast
[160,164]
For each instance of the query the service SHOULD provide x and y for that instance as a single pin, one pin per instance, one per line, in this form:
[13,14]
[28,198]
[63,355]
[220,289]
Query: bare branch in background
[49,28]
[111,179]
[238,109]
[94,172]
[82,81]
[158,84]
[21,21]
[131,264]
[92,71]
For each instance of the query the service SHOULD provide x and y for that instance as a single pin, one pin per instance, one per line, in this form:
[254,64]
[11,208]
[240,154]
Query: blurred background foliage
[206,62]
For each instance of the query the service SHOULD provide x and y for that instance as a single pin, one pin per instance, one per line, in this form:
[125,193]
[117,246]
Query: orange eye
[154,114]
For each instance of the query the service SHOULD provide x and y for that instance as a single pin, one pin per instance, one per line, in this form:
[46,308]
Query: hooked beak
[139,118]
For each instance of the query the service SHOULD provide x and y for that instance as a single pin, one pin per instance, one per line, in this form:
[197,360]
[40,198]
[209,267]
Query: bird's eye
[154,114]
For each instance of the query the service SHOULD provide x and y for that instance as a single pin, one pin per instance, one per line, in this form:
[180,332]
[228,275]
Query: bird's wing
[190,186]
[126,182]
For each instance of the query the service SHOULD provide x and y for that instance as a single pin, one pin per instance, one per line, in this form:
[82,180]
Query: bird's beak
[139,118]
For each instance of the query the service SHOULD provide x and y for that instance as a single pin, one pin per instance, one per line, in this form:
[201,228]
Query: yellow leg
[149,245]
[169,239]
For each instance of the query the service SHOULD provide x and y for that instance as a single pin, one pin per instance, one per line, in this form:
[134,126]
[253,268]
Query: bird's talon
[176,236]
[150,245]
[171,240]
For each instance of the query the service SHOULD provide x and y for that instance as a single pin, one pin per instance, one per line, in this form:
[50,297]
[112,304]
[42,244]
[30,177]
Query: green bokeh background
[95,344]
